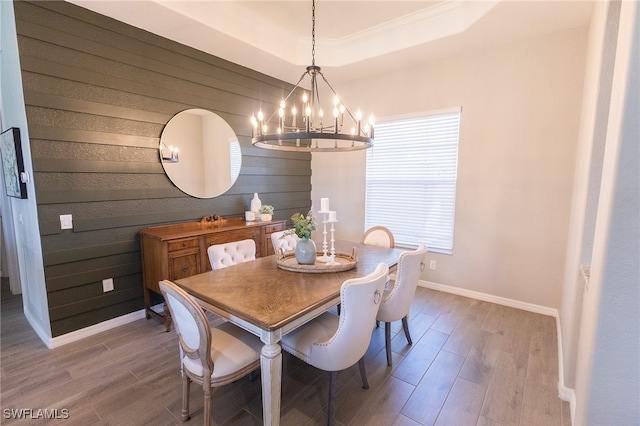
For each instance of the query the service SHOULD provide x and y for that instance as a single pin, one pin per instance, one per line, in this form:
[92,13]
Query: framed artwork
[12,163]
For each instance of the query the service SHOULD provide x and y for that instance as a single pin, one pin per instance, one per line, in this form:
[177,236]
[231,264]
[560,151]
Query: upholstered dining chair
[284,241]
[378,236]
[211,356]
[398,298]
[333,342]
[227,254]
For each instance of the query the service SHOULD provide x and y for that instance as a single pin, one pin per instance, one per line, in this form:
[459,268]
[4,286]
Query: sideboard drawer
[235,235]
[270,229]
[183,244]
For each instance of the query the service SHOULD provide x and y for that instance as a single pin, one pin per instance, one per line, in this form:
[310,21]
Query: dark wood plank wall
[98,93]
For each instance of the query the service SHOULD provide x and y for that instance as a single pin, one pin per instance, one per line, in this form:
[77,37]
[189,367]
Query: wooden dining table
[270,302]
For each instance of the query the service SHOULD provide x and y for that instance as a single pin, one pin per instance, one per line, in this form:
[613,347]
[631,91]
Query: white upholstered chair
[284,241]
[378,236]
[211,356]
[333,343]
[227,254]
[398,298]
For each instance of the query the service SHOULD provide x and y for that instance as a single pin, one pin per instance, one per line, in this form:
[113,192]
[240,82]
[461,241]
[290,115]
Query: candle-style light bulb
[371,123]
[260,116]
[305,98]
[294,111]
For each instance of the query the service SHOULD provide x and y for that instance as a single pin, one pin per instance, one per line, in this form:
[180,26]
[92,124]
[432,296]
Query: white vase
[256,203]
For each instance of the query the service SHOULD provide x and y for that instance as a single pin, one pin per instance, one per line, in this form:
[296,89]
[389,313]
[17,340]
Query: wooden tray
[344,262]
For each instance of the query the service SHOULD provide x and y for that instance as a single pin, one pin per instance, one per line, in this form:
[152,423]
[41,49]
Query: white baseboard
[94,329]
[544,310]
[564,393]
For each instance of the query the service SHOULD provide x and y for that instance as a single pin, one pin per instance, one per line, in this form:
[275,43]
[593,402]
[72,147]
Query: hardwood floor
[471,363]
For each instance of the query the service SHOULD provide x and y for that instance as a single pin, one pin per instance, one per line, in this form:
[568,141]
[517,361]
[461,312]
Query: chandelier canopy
[310,128]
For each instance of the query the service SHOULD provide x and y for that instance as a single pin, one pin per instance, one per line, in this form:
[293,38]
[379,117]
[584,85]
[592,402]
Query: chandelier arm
[288,96]
[335,94]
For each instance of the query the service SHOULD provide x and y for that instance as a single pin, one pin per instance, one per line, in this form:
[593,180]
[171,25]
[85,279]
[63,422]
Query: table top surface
[269,297]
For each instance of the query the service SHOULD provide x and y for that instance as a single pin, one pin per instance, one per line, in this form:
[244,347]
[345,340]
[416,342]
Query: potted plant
[266,213]
[306,247]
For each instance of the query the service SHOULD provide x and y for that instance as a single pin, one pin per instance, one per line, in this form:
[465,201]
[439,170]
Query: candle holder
[332,258]
[325,257]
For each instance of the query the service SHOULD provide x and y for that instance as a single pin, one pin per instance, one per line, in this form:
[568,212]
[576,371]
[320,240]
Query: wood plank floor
[471,363]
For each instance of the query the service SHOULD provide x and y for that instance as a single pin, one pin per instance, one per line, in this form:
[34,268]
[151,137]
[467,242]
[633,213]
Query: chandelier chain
[313,33]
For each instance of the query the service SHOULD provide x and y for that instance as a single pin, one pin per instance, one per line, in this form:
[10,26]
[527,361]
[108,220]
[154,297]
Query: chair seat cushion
[232,349]
[300,342]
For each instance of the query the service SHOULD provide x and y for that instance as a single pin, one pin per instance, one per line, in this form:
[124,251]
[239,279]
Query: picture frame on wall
[13,163]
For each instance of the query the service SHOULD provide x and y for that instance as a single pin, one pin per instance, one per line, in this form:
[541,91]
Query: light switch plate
[107,285]
[66,221]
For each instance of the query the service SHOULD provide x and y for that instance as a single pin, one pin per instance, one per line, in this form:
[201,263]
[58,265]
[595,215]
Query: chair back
[228,254]
[190,322]
[378,236]
[284,241]
[360,299]
[397,302]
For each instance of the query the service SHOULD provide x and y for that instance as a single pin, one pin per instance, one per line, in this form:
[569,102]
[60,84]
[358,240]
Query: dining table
[269,301]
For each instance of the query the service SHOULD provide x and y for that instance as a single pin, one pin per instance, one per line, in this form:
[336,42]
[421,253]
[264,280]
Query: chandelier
[310,128]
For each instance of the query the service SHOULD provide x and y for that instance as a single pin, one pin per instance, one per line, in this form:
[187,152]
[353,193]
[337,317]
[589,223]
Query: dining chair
[333,342]
[228,254]
[398,298]
[210,356]
[284,241]
[378,236]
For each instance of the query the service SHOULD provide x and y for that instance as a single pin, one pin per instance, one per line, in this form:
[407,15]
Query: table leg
[271,370]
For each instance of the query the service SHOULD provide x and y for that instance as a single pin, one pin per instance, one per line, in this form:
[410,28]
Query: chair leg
[338,308]
[387,341]
[363,374]
[186,381]
[207,406]
[331,415]
[405,326]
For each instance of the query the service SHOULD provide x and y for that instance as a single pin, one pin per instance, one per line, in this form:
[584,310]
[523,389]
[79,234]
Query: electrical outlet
[107,285]
[432,265]
[66,221]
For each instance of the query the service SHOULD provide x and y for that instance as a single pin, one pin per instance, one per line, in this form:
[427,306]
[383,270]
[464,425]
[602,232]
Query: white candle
[324,204]
[332,216]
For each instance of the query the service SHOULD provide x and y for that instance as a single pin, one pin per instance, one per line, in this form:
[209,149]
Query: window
[411,179]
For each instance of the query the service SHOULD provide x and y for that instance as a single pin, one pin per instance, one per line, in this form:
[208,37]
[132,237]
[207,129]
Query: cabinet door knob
[185,269]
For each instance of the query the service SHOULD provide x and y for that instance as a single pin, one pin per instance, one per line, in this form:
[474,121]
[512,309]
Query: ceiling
[352,38]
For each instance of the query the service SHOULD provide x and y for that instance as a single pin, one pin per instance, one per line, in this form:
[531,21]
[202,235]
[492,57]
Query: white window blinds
[411,179]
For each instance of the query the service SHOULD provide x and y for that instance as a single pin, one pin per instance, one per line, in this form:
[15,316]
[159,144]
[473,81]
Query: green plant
[266,209]
[304,225]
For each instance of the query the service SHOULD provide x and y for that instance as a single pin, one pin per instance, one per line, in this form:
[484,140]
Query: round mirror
[200,153]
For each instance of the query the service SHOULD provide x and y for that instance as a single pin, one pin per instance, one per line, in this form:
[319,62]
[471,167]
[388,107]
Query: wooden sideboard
[180,250]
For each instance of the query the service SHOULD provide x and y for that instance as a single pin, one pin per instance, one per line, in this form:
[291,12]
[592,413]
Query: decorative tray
[343,262]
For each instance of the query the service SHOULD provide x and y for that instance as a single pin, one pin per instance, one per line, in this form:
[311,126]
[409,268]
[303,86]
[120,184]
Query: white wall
[589,157]
[519,128]
[20,216]
[608,366]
